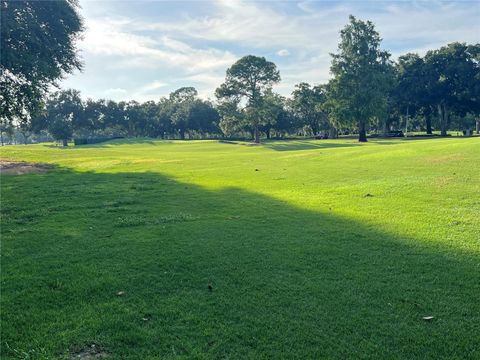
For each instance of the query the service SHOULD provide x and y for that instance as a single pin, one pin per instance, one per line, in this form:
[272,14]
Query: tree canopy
[246,83]
[362,76]
[308,105]
[38,42]
[452,75]
[368,92]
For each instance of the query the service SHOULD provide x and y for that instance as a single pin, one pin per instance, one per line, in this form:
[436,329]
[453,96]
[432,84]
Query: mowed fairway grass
[312,249]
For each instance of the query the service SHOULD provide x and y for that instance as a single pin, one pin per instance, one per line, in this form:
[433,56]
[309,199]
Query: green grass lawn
[313,250]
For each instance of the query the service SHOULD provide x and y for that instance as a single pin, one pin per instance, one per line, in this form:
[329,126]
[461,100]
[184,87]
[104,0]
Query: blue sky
[143,50]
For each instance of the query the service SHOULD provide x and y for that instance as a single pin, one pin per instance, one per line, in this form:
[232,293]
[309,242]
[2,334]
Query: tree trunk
[65,142]
[268,133]
[182,134]
[257,135]
[332,133]
[443,114]
[428,123]
[406,123]
[477,127]
[362,133]
[314,127]
[1,134]
[385,128]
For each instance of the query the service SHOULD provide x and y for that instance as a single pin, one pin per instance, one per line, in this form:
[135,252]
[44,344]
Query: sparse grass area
[204,250]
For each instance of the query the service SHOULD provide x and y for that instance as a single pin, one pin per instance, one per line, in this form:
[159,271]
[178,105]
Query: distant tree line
[66,115]
[368,92]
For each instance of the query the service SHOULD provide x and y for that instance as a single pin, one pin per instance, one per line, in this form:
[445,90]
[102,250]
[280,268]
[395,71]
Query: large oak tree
[362,76]
[38,47]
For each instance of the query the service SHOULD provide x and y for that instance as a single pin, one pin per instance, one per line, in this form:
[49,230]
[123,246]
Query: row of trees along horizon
[368,91]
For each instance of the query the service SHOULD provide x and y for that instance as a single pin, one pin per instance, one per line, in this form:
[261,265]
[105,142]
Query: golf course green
[298,249]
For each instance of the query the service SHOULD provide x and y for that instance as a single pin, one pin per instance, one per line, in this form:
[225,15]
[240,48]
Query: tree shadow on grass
[295,145]
[147,267]
[108,143]
[400,140]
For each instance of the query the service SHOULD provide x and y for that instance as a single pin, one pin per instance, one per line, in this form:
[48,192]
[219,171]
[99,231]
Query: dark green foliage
[272,112]
[308,104]
[37,48]
[442,85]
[64,114]
[363,75]
[453,75]
[187,113]
[87,141]
[246,83]
[181,101]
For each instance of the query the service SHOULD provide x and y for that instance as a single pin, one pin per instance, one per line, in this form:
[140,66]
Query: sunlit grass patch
[315,249]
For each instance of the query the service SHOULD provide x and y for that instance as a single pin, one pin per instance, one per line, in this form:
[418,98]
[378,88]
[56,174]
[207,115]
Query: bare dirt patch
[237,143]
[445,159]
[92,352]
[8,167]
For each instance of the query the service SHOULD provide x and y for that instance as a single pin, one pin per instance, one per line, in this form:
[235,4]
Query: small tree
[272,111]
[181,102]
[135,118]
[113,118]
[204,117]
[409,95]
[93,116]
[150,114]
[163,123]
[64,114]
[307,104]
[245,85]
[231,116]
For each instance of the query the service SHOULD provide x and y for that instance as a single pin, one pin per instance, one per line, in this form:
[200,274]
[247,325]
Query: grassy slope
[314,249]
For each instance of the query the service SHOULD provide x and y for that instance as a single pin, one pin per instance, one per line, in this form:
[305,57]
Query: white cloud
[250,24]
[205,82]
[151,91]
[111,39]
[154,85]
[115,91]
[261,25]
[196,49]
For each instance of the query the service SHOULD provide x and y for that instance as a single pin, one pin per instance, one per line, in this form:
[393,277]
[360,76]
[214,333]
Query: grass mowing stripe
[312,249]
